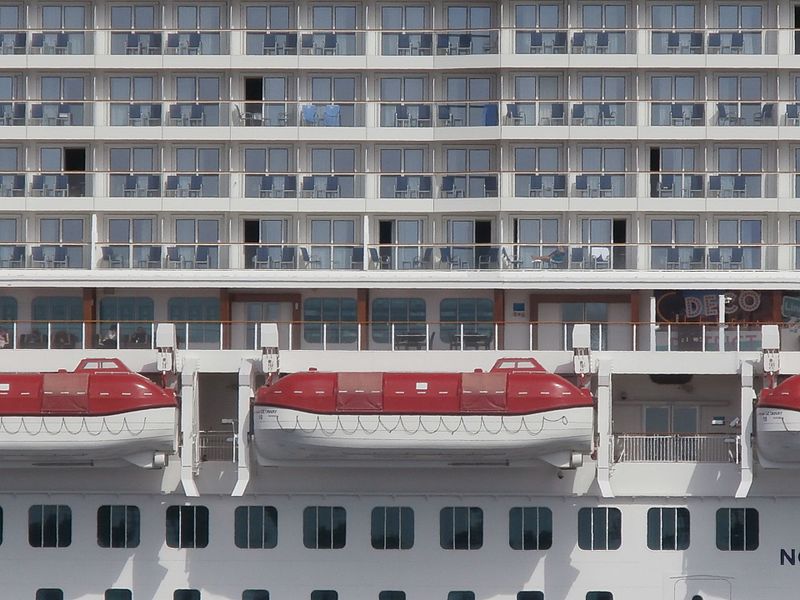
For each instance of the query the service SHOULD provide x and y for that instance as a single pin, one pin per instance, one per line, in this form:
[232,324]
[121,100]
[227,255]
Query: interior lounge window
[392,527]
[668,528]
[336,315]
[324,527]
[530,528]
[461,528]
[599,529]
[187,527]
[737,529]
[256,527]
[49,526]
[407,315]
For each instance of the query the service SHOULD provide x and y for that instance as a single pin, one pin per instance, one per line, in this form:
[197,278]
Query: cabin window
[406,314]
[468,316]
[256,527]
[324,595]
[599,528]
[461,528]
[460,595]
[324,528]
[737,529]
[599,596]
[118,526]
[63,313]
[186,595]
[668,528]
[255,595]
[49,526]
[197,317]
[392,527]
[391,595]
[337,316]
[530,528]
[49,594]
[530,595]
[187,527]
[118,594]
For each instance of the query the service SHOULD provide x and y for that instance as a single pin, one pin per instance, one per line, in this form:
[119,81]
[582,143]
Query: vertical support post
[721,326]
[746,459]
[653,317]
[190,425]
[604,438]
[246,393]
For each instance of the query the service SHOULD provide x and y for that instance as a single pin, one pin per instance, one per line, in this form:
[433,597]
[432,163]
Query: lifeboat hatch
[359,392]
[65,393]
[525,365]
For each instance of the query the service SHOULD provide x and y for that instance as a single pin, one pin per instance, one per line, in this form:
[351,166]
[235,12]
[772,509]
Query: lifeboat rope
[64,426]
[441,425]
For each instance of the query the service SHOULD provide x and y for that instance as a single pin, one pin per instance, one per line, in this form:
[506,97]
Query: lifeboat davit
[778,425]
[100,413]
[516,412]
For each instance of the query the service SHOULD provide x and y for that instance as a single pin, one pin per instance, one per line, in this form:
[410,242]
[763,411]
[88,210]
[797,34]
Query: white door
[703,588]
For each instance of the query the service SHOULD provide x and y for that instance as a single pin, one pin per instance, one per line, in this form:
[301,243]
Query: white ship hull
[73,439]
[283,435]
[778,437]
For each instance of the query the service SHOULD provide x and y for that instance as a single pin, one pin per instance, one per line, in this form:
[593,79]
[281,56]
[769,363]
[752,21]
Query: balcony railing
[395,336]
[679,447]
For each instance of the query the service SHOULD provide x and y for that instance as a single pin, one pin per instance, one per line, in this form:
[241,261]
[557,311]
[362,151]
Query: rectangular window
[599,596]
[187,527]
[324,595]
[255,595]
[392,527]
[118,526]
[324,527]
[460,595]
[530,528]
[118,594]
[256,527]
[737,529]
[599,528]
[467,316]
[461,528]
[668,528]
[49,594]
[530,595]
[49,526]
[336,315]
[199,315]
[407,315]
[391,595]
[186,595]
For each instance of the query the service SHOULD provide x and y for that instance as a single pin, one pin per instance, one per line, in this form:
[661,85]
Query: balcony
[61,185]
[275,43]
[332,43]
[677,114]
[473,41]
[138,185]
[66,114]
[139,43]
[197,114]
[12,185]
[332,114]
[677,42]
[12,114]
[270,186]
[188,43]
[135,114]
[13,42]
[411,43]
[60,42]
[197,185]
[678,447]
[540,42]
[603,42]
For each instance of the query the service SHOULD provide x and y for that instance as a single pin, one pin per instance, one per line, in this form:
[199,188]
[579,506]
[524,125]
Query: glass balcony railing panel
[137,185]
[13,42]
[735,42]
[135,114]
[55,42]
[12,184]
[745,113]
[270,186]
[332,186]
[336,114]
[467,42]
[406,186]
[532,185]
[603,42]
[12,113]
[54,256]
[736,186]
[207,114]
[594,185]
[187,185]
[469,114]
[270,43]
[603,114]
[540,42]
[412,43]
[678,114]
[267,114]
[677,185]
[60,114]
[147,43]
[270,256]
[203,43]
[194,256]
[469,186]
[56,185]
[677,42]
[332,43]
[406,115]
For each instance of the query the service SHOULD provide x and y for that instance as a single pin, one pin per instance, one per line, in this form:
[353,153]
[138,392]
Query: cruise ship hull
[285,435]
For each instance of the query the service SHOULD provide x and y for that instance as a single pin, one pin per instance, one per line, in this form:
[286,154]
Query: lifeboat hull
[778,437]
[134,437]
[284,435]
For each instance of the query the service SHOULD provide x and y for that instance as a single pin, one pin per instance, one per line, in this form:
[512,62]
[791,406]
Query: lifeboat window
[255,595]
[49,526]
[49,594]
[187,527]
[460,595]
[256,527]
[530,595]
[530,528]
[118,594]
[337,316]
[668,528]
[599,596]
[406,315]
[461,528]
[324,595]
[392,527]
[390,595]
[324,527]
[118,526]
[186,595]
[737,529]
[599,528]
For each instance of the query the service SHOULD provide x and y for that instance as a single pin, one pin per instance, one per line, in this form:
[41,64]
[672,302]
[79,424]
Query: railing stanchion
[49,334]
[530,337]
[324,336]
[461,337]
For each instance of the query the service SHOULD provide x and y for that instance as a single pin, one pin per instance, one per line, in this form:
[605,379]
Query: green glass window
[336,315]
[406,314]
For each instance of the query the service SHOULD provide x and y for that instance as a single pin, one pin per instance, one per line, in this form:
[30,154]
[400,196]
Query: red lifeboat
[778,425]
[515,410]
[99,412]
